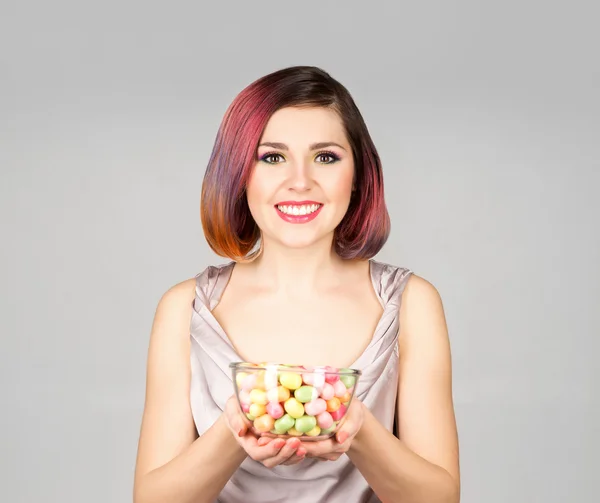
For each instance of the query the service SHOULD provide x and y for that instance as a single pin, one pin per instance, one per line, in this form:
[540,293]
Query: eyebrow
[314,146]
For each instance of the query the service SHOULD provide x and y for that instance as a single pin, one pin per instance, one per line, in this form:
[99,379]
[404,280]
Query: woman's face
[301,185]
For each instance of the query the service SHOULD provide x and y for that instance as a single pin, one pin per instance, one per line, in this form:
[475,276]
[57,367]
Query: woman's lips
[298,219]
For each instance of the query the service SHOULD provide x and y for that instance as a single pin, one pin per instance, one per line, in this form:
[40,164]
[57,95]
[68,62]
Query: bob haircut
[227,222]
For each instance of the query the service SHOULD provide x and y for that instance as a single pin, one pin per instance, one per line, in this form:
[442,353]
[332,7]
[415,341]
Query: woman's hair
[228,225]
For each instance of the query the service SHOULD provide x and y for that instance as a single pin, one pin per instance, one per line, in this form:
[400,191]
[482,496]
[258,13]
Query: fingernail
[241,432]
[342,437]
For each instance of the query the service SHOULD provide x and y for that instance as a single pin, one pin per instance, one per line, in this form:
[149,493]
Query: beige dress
[310,481]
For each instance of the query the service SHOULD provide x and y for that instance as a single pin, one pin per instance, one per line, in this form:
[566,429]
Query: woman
[293,194]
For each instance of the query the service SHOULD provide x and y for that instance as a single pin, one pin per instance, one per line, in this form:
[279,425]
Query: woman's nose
[301,176]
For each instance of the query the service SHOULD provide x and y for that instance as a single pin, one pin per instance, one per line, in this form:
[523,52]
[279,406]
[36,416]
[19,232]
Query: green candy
[251,417]
[306,394]
[305,423]
[284,423]
[348,380]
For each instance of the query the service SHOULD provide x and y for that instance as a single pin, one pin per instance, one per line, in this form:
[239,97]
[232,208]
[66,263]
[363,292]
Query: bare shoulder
[177,301]
[180,294]
[422,313]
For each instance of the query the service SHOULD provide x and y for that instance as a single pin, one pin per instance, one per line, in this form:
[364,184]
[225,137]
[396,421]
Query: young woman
[293,195]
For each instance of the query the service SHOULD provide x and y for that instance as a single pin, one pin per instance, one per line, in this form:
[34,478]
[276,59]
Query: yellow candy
[264,424]
[257,409]
[294,408]
[260,379]
[239,378]
[258,396]
[278,394]
[290,380]
[315,432]
[294,432]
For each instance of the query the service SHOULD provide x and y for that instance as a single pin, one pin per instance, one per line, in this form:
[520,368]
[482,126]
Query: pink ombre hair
[228,225]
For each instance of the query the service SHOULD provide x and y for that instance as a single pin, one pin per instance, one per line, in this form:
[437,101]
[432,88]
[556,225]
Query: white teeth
[304,209]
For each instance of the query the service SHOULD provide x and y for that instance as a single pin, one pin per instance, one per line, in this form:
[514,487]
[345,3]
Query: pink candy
[246,407]
[331,378]
[324,420]
[245,397]
[339,414]
[339,389]
[275,410]
[249,382]
[315,407]
[328,391]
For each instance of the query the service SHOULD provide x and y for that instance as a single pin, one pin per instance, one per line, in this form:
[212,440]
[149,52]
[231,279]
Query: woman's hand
[332,448]
[268,451]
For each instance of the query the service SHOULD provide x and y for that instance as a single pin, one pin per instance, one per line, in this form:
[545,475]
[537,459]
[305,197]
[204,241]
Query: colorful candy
[294,408]
[305,423]
[296,402]
[290,380]
[315,407]
[259,396]
[307,393]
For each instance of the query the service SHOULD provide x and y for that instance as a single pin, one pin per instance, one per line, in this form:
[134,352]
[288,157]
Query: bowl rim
[240,365]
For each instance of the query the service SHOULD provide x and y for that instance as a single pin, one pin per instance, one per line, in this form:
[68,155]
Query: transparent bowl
[283,401]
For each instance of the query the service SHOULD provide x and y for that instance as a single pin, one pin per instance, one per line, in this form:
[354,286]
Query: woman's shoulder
[406,280]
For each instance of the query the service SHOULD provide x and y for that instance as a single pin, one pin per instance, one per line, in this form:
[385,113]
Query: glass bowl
[283,401]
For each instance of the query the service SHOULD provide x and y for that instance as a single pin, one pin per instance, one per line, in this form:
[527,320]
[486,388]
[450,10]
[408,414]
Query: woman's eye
[332,158]
[267,158]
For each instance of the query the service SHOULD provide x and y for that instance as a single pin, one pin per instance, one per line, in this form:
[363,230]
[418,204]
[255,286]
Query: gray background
[486,116]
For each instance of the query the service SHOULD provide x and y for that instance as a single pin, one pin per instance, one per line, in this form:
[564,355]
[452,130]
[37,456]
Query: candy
[271,379]
[315,432]
[324,420]
[306,393]
[257,409]
[283,424]
[245,397]
[295,401]
[294,408]
[348,380]
[339,389]
[333,404]
[249,382]
[258,396]
[339,413]
[290,380]
[315,407]
[278,394]
[264,424]
[260,380]
[328,392]
[346,397]
[331,378]
[305,423]
[274,409]
[239,379]
[308,378]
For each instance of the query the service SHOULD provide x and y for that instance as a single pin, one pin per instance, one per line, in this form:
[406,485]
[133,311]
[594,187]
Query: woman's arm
[173,464]
[422,467]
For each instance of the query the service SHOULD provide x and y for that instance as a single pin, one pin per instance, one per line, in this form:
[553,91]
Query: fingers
[296,458]
[320,448]
[285,454]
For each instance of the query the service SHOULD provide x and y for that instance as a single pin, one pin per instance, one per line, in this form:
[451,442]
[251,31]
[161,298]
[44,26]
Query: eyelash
[333,155]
